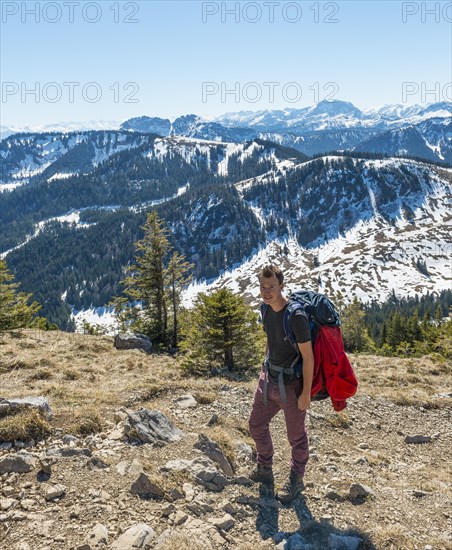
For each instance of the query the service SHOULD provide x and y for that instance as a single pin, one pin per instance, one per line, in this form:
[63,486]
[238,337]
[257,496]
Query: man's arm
[304,399]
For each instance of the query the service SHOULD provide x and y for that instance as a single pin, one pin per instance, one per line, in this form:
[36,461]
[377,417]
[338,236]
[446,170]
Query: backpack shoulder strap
[287,321]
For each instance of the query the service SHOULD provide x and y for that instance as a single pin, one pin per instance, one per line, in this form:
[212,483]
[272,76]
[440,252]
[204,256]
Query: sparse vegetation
[26,424]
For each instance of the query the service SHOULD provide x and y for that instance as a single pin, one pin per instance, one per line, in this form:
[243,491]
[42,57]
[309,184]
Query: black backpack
[320,311]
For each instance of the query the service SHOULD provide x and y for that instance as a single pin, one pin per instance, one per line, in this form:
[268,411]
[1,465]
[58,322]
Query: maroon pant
[261,415]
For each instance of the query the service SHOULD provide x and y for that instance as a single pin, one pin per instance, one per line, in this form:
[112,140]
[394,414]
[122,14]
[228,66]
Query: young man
[278,389]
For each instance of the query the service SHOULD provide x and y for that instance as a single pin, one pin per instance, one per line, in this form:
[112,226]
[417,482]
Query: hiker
[284,384]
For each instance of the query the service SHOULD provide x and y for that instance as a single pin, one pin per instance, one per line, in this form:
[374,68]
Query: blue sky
[169,58]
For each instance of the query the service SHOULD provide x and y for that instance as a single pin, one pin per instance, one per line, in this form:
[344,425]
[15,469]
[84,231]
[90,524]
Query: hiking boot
[262,474]
[291,488]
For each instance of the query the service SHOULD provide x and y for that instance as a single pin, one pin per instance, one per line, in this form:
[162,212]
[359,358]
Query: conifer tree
[221,332]
[15,311]
[146,282]
[177,276]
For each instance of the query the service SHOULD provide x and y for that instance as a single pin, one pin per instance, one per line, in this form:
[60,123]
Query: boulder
[10,406]
[213,450]
[20,463]
[145,488]
[133,341]
[151,426]
[137,537]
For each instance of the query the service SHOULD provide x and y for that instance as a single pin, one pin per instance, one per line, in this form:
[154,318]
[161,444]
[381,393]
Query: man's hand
[304,400]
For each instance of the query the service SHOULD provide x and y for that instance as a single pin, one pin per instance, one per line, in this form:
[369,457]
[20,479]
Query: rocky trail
[169,467]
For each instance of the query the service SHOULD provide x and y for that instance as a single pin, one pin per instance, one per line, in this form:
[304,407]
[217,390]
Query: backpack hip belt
[282,371]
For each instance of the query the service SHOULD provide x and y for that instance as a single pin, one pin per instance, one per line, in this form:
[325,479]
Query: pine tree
[354,332]
[177,275]
[15,311]
[146,282]
[221,332]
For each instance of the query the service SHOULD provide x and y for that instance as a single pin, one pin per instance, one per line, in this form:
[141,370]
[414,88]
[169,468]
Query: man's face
[270,289]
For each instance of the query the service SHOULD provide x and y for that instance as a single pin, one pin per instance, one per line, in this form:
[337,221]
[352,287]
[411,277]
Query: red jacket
[332,369]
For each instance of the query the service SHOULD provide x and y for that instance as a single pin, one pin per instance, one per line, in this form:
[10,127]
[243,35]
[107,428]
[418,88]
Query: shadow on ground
[314,533]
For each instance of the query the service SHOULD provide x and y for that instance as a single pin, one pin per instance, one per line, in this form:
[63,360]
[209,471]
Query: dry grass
[88,420]
[404,381]
[26,424]
[223,438]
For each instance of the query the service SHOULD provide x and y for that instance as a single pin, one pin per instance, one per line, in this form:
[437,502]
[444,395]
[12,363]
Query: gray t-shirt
[281,352]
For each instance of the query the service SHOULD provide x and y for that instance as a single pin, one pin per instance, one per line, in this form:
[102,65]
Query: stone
[137,537]
[224,523]
[19,462]
[213,450]
[145,488]
[69,451]
[151,426]
[186,401]
[204,471]
[179,518]
[213,420]
[357,490]
[10,406]
[136,468]
[122,467]
[244,450]
[133,341]
[6,503]
[54,491]
[418,439]
[343,542]
[95,462]
[98,536]
[188,491]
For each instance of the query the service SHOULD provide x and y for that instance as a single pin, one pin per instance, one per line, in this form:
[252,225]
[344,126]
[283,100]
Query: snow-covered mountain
[63,127]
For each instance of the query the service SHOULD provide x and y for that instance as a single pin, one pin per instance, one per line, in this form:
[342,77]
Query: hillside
[91,386]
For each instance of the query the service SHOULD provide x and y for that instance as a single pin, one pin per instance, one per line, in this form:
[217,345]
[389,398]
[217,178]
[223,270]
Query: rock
[45,462]
[151,426]
[69,451]
[186,401]
[54,491]
[203,470]
[75,512]
[363,446]
[121,468]
[189,491]
[244,450]
[145,488]
[418,439]
[98,536]
[10,406]
[167,510]
[343,542]
[213,450]
[27,503]
[334,495]
[419,494]
[19,462]
[95,462]
[136,468]
[6,503]
[179,518]
[357,490]
[133,341]
[67,439]
[213,420]
[137,537]
[224,523]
